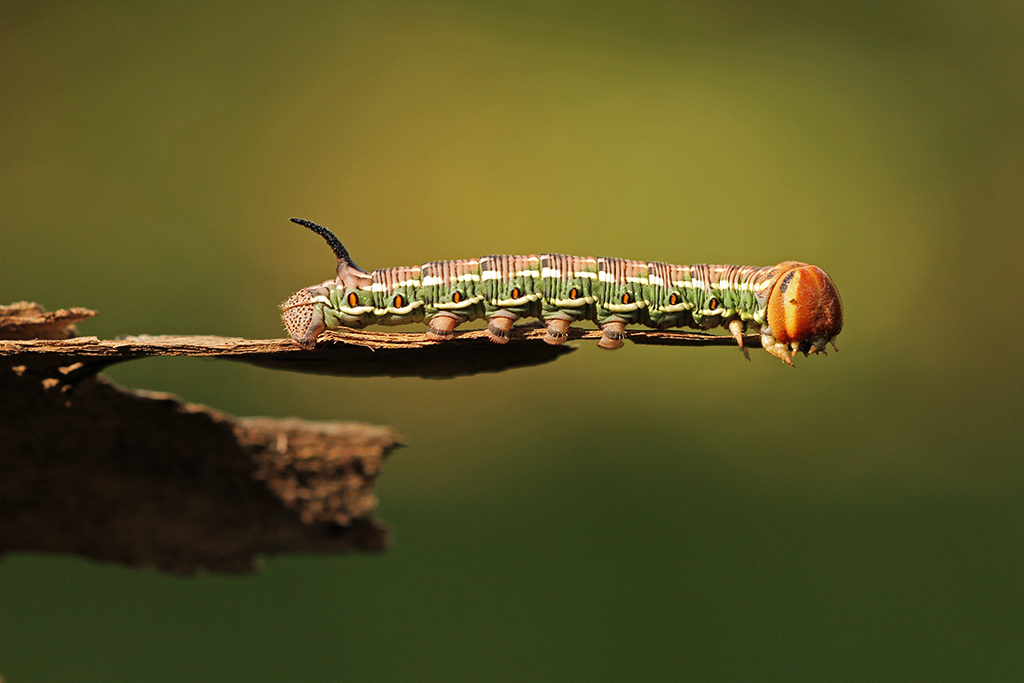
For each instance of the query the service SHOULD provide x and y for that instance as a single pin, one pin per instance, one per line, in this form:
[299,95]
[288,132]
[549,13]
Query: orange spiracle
[805,312]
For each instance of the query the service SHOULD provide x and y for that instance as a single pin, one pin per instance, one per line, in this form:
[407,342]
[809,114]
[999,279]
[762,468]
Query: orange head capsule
[805,312]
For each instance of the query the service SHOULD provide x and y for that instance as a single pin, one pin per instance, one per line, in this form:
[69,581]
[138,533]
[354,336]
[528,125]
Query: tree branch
[339,352]
[147,480]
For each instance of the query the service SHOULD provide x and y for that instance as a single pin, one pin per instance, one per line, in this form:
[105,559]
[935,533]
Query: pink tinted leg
[498,328]
[441,327]
[612,335]
[557,332]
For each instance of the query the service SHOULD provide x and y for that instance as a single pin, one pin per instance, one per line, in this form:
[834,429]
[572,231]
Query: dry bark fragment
[147,480]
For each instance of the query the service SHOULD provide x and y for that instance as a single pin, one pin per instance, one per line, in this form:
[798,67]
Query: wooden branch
[343,352]
[147,480]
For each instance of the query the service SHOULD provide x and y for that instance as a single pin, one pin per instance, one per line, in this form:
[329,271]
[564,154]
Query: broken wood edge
[29,320]
[147,480]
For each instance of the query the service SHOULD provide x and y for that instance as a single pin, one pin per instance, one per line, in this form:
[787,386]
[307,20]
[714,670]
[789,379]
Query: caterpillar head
[805,312]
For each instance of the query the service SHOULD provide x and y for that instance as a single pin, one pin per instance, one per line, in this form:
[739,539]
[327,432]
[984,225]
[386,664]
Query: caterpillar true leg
[776,348]
[737,327]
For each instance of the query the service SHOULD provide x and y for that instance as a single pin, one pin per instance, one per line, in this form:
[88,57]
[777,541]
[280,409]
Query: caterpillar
[795,306]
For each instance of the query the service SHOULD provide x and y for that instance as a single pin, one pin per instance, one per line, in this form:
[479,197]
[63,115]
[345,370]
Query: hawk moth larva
[795,306]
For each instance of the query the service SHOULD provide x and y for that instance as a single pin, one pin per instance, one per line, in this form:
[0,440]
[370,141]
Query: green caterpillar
[795,306]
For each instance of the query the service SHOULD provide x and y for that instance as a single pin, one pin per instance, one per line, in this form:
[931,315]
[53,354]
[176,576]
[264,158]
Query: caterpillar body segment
[509,285]
[794,306]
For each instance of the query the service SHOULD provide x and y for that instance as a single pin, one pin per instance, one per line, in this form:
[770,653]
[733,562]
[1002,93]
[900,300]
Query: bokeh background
[656,513]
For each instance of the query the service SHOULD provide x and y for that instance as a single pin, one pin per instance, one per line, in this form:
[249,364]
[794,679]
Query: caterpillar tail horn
[349,274]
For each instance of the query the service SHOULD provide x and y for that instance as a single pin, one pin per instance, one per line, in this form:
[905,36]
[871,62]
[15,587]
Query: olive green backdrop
[653,513]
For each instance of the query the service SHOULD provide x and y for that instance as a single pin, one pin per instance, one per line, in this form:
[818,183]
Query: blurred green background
[658,513]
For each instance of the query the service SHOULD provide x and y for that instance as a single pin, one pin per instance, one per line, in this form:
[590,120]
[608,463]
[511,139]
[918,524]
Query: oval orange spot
[674,299]
[627,298]
[456,297]
[574,293]
[399,301]
[713,304]
[515,293]
[353,299]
